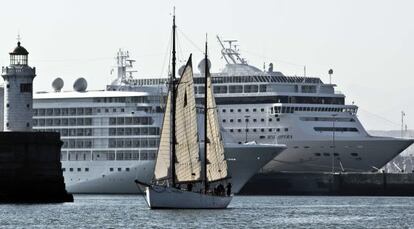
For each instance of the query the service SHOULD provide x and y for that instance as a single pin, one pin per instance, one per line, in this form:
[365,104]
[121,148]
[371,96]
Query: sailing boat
[183,173]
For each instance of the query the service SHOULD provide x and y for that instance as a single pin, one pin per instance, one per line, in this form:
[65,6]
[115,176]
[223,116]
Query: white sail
[216,165]
[188,164]
[163,163]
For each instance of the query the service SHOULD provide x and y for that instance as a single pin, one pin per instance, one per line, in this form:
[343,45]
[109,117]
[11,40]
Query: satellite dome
[181,70]
[57,84]
[80,85]
[201,66]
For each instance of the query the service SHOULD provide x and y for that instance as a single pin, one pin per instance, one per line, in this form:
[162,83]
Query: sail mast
[173,105]
[205,118]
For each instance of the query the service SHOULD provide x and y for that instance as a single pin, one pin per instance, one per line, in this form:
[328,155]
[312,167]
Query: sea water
[131,211]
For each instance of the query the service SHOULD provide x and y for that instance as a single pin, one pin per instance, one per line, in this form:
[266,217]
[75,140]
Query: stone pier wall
[364,184]
[30,168]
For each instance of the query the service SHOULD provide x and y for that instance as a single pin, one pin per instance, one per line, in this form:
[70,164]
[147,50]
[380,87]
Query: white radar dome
[181,70]
[201,65]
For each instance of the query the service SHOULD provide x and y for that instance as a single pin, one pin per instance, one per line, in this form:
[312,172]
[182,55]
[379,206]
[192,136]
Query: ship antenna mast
[231,54]
[124,66]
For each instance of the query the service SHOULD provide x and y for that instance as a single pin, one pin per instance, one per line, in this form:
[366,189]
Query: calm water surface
[119,211]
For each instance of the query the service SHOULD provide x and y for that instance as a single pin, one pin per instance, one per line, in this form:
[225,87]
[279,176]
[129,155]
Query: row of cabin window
[134,131]
[259,78]
[112,143]
[326,119]
[240,110]
[336,129]
[134,99]
[335,154]
[85,111]
[77,144]
[108,155]
[247,120]
[62,122]
[69,132]
[236,79]
[87,169]
[312,109]
[131,121]
[142,82]
[224,89]
[133,143]
[62,111]
[88,121]
[156,109]
[256,130]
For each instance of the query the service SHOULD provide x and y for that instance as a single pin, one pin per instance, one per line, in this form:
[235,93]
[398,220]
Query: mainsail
[163,163]
[188,164]
[216,163]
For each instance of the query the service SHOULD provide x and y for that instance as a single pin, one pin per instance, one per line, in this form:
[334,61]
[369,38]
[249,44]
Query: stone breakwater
[346,184]
[30,168]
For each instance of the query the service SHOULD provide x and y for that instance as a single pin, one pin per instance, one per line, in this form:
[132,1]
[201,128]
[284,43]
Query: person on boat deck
[189,187]
[207,188]
[220,190]
[228,189]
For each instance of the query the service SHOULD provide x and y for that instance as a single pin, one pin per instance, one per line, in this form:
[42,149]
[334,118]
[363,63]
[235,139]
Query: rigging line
[160,87]
[190,41]
[169,51]
[179,50]
[74,60]
[380,117]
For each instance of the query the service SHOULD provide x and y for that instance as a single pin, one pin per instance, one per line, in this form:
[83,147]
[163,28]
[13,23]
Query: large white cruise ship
[111,137]
[321,131]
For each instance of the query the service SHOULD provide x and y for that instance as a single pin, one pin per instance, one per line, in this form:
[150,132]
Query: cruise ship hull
[356,155]
[243,161]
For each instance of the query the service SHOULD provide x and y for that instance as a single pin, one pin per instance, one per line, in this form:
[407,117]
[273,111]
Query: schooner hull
[162,197]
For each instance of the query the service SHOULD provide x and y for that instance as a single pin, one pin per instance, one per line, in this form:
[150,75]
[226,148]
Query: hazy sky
[369,44]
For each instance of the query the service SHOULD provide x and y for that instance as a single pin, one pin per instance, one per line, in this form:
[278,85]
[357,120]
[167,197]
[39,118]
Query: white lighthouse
[18,91]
